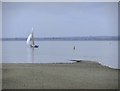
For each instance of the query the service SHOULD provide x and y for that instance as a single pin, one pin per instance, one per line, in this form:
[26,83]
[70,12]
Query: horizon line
[76,38]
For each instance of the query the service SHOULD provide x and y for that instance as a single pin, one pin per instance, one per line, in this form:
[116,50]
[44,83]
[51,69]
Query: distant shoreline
[92,38]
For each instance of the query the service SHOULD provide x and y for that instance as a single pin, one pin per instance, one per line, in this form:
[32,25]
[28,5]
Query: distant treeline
[94,38]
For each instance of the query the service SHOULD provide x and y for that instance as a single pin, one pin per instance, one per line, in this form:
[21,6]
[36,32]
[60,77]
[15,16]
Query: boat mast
[33,43]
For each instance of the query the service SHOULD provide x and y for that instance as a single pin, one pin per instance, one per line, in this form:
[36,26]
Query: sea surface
[104,52]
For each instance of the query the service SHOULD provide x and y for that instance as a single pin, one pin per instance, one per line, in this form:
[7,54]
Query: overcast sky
[60,19]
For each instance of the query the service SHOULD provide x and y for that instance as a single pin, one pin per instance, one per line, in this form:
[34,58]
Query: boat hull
[34,46]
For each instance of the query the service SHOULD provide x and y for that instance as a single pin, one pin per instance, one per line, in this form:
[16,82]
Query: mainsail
[31,38]
[28,39]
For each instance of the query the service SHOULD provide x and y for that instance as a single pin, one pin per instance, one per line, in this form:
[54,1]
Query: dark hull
[34,46]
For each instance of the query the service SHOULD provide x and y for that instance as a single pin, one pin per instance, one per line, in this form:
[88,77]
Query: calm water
[105,52]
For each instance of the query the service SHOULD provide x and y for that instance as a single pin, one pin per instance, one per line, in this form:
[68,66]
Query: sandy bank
[82,75]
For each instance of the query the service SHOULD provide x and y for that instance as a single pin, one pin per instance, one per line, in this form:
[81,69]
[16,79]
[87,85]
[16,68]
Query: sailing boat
[31,38]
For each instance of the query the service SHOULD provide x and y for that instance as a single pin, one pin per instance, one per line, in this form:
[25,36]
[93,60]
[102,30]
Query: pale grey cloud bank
[60,19]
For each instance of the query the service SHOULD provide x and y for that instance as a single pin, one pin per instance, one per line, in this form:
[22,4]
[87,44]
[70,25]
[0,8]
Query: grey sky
[60,19]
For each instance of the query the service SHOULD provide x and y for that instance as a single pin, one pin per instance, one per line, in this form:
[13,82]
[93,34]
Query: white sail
[28,39]
[31,38]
